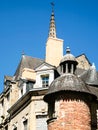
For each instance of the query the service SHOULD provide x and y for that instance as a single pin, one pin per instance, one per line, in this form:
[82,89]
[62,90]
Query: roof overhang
[25,100]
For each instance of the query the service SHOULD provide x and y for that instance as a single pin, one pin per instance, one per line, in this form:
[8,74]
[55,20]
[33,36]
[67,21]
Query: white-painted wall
[44,72]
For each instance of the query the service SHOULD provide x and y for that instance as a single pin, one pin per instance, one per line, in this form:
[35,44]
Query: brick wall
[72,115]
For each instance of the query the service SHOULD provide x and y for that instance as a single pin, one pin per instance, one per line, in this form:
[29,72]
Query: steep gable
[44,66]
[83,62]
[27,62]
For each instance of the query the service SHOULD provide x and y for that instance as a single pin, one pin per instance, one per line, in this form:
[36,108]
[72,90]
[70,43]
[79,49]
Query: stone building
[21,103]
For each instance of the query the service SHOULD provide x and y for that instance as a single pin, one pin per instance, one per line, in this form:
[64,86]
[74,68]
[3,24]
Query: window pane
[45,80]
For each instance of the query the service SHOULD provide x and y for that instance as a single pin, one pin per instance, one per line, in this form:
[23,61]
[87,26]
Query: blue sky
[24,26]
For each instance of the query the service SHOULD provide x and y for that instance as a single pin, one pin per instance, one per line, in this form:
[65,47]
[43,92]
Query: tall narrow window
[45,80]
[41,122]
[25,123]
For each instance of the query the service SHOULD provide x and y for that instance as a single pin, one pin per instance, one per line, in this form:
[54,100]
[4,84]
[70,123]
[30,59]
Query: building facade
[21,103]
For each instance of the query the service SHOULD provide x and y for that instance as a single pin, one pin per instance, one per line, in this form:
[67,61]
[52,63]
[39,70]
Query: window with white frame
[45,80]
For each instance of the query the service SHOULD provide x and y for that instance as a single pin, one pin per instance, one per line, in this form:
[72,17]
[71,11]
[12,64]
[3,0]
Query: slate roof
[90,76]
[27,62]
[79,71]
[68,57]
[94,90]
[67,82]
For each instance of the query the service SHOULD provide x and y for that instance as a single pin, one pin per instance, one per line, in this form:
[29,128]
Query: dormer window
[45,80]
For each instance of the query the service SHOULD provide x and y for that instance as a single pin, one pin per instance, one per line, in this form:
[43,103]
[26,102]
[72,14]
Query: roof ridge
[33,57]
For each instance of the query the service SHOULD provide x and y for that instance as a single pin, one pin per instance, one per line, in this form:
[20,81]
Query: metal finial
[52,4]
[67,50]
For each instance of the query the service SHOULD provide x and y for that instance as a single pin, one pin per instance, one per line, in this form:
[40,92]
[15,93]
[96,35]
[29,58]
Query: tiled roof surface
[67,82]
[90,76]
[27,62]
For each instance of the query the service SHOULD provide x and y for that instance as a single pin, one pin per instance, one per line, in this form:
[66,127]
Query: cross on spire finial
[52,4]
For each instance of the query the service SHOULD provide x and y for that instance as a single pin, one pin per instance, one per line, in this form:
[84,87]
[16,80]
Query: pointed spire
[52,29]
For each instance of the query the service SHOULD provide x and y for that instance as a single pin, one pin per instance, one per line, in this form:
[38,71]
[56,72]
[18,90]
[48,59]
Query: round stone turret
[69,99]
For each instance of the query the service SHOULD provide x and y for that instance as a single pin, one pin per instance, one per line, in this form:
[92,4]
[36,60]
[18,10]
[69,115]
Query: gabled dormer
[45,74]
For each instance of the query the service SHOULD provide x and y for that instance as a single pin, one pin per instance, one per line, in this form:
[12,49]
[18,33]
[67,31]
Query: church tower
[54,46]
[69,100]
